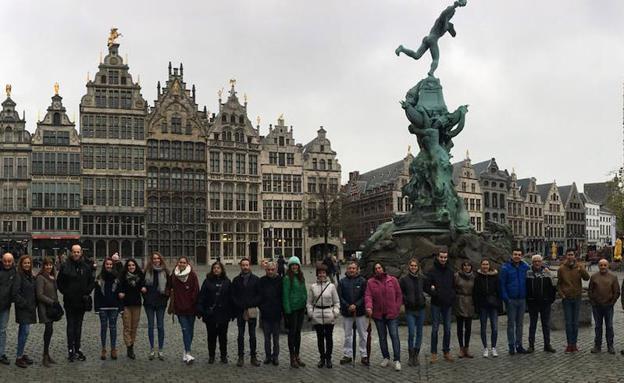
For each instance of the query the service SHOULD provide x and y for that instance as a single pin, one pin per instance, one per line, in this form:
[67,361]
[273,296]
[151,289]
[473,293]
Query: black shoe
[611,350]
[224,360]
[346,360]
[521,350]
[240,361]
[275,362]
[530,350]
[80,356]
[549,348]
[595,350]
[267,361]
[4,360]
[512,351]
[328,363]
[130,352]
[321,363]
[365,361]
[211,359]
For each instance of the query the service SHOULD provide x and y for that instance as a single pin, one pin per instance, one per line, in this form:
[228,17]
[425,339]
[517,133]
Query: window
[297,184]
[253,164]
[228,197]
[214,162]
[152,149]
[267,210]
[188,151]
[215,198]
[273,158]
[282,159]
[277,183]
[164,150]
[240,197]
[240,163]
[290,158]
[176,150]
[287,183]
[311,184]
[227,163]
[266,182]
[8,167]
[252,196]
[176,125]
[322,163]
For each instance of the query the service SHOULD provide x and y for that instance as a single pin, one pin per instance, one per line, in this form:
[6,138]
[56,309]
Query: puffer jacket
[294,294]
[351,292]
[440,285]
[7,278]
[75,281]
[513,281]
[383,296]
[486,292]
[541,290]
[25,298]
[412,289]
[464,286]
[323,304]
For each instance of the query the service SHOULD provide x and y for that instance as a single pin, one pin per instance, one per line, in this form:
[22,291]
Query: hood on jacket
[491,272]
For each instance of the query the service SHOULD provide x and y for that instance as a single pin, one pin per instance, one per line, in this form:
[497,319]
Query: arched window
[56,118]
[241,120]
[224,117]
[233,119]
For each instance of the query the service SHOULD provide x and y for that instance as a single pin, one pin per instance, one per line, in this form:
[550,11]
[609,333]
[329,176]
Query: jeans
[440,315]
[251,323]
[217,330]
[484,314]
[187,324]
[415,321]
[544,313]
[383,327]
[271,331]
[571,309]
[324,340]
[74,329]
[464,329]
[603,313]
[515,318]
[130,317]
[4,321]
[295,322]
[159,314]
[22,336]
[108,321]
[360,326]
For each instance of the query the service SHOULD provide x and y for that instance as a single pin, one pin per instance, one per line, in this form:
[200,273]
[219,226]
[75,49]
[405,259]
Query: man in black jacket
[540,295]
[7,278]
[246,298]
[351,291]
[76,281]
[270,289]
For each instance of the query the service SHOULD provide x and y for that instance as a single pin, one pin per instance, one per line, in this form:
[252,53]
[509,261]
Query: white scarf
[182,275]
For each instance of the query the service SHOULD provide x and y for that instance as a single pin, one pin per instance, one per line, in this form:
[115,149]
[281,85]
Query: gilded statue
[7,88]
[112,37]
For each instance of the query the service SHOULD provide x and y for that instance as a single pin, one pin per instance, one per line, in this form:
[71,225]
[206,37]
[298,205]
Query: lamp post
[272,241]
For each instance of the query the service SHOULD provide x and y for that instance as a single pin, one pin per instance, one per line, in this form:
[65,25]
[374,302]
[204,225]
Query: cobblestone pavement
[538,367]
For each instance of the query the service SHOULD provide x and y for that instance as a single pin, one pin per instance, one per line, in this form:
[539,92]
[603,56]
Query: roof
[598,191]
[384,175]
[586,199]
[523,184]
[481,168]
[564,192]
[543,189]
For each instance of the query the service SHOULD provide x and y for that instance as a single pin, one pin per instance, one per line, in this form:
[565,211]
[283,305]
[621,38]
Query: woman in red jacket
[383,299]
[185,288]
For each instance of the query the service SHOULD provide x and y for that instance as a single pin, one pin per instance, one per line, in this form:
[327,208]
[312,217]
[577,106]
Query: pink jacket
[384,297]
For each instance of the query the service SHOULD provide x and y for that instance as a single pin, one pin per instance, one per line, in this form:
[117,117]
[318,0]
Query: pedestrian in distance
[541,293]
[604,291]
[412,287]
[7,279]
[281,266]
[108,305]
[464,307]
[351,290]
[270,289]
[183,304]
[156,292]
[25,298]
[245,299]
[294,298]
[330,262]
[513,292]
[569,286]
[486,297]
[48,306]
[131,283]
[323,307]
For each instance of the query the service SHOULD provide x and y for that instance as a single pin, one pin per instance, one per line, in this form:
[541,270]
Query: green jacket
[294,295]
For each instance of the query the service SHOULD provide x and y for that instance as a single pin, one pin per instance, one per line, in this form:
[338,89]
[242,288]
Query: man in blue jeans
[513,292]
[7,278]
[570,287]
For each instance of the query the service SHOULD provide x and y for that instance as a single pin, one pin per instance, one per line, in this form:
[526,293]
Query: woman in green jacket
[294,297]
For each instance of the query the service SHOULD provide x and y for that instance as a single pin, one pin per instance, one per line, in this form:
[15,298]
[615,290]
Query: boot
[410,361]
[293,362]
[434,358]
[113,353]
[448,357]
[50,360]
[103,354]
[21,363]
[467,353]
[321,362]
[46,360]
[461,353]
[328,362]
[255,362]
[415,360]
[130,352]
[299,362]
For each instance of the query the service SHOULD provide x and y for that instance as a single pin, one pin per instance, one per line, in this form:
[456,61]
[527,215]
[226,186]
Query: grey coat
[25,299]
[46,295]
[464,304]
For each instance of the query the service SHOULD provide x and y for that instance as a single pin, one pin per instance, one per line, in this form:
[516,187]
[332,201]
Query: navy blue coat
[351,292]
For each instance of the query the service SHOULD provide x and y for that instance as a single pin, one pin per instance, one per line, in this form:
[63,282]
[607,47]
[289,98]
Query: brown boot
[434,358]
[103,354]
[299,362]
[467,353]
[293,362]
[462,353]
[46,360]
[113,353]
[448,357]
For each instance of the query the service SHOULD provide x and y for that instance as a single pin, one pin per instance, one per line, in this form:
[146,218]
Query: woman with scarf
[155,296]
[294,296]
[46,297]
[185,289]
[25,300]
[108,305]
[131,283]
[414,301]
[215,306]
[464,307]
[323,308]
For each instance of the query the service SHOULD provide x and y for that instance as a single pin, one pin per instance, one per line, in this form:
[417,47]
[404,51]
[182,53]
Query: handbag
[87,303]
[55,312]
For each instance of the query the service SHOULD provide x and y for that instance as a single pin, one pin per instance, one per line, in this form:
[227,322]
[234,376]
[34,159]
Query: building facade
[607,227]
[574,217]
[112,128]
[177,167]
[469,190]
[554,217]
[533,216]
[592,221]
[494,185]
[515,211]
[56,185]
[15,154]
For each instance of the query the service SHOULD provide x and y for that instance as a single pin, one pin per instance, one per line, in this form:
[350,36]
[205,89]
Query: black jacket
[7,279]
[351,292]
[75,281]
[486,292]
[443,278]
[412,288]
[132,291]
[106,293]
[244,297]
[153,297]
[541,290]
[214,302]
[25,298]
[270,290]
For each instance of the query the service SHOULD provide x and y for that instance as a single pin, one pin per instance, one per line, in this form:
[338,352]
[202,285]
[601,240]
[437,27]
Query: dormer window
[241,120]
[224,118]
[322,148]
[56,118]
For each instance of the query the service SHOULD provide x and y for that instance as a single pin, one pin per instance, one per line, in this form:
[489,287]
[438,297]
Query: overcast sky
[543,78]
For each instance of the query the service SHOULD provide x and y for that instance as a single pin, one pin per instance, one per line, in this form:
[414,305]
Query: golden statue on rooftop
[112,37]
[7,88]
[56,88]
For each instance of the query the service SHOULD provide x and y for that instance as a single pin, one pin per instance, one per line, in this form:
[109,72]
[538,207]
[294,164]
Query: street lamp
[272,241]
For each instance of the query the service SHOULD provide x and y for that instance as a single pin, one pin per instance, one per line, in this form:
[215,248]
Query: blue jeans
[484,314]
[187,323]
[515,318]
[415,321]
[22,337]
[159,314]
[571,309]
[108,321]
[603,313]
[4,321]
[383,327]
[440,315]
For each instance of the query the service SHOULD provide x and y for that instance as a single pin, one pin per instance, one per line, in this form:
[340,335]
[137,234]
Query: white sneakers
[385,362]
[486,353]
[397,366]
[187,358]
[494,352]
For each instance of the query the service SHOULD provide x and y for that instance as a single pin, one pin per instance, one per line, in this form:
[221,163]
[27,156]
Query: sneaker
[224,360]
[80,356]
[184,356]
[4,360]
[494,352]
[71,357]
[275,362]
[151,356]
[189,358]
[486,353]
[385,362]
[346,360]
[161,356]
[397,366]
[211,359]
[240,361]
[267,361]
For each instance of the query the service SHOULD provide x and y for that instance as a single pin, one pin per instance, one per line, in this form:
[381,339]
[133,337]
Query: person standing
[130,283]
[323,307]
[75,281]
[330,263]
[569,285]
[351,291]
[246,297]
[440,285]
[270,289]
[108,305]
[464,307]
[294,298]
[412,287]
[185,289]
[604,291]
[25,298]
[513,293]
[281,266]
[541,293]
[156,291]
[7,279]
[383,299]
[214,304]
[47,297]
[486,297]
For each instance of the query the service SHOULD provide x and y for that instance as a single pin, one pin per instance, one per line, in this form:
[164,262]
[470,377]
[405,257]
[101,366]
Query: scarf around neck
[182,275]
[162,279]
[132,279]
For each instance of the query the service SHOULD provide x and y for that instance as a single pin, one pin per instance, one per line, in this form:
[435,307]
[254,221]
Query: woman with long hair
[464,307]
[107,305]
[47,297]
[323,307]
[24,296]
[130,283]
[412,287]
[185,289]
[294,298]
[155,296]
[214,304]
[486,296]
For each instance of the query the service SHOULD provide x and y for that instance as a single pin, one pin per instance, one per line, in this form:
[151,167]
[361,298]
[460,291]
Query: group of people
[122,289]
